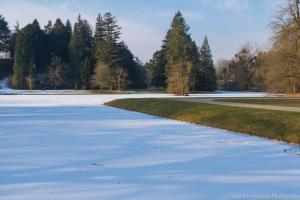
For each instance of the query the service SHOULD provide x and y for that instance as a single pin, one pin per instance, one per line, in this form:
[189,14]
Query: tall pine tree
[179,64]
[80,49]
[4,36]
[100,35]
[156,69]
[23,60]
[207,80]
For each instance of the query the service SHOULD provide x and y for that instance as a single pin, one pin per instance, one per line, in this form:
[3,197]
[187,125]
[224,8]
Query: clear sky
[227,23]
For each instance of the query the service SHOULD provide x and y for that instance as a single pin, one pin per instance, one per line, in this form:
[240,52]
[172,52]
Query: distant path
[245,105]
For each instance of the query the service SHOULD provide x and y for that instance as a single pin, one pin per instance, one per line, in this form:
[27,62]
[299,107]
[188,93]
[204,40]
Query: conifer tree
[30,56]
[100,35]
[111,28]
[156,69]
[39,42]
[23,60]
[108,50]
[4,36]
[13,40]
[59,39]
[48,27]
[208,76]
[80,49]
[179,65]
[68,27]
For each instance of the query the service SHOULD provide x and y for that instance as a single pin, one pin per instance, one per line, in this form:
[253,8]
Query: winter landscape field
[71,147]
[150,100]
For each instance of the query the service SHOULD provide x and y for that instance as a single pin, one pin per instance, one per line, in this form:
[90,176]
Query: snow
[71,147]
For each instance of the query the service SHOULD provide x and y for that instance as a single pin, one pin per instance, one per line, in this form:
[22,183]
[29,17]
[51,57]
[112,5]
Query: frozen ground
[73,148]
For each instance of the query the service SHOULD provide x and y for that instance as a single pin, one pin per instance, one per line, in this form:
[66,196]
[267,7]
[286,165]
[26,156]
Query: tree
[48,27]
[80,49]
[13,38]
[223,74]
[283,61]
[55,72]
[111,28]
[23,61]
[86,72]
[134,68]
[59,38]
[107,78]
[115,55]
[108,53]
[241,72]
[141,80]
[179,65]
[156,69]
[4,36]
[100,34]
[101,78]
[195,76]
[208,77]
[38,39]
[244,67]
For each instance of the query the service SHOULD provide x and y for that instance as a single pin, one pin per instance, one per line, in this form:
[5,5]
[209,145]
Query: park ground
[72,147]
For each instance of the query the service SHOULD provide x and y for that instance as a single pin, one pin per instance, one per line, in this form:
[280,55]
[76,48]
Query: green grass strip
[279,125]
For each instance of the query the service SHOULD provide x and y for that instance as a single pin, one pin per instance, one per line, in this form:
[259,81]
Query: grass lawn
[264,101]
[280,125]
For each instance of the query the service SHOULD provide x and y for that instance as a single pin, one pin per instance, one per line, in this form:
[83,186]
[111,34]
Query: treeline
[76,57]
[180,66]
[275,70]
[64,56]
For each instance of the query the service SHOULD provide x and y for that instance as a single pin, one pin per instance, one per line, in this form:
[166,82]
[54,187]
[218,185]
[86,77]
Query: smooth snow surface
[74,148]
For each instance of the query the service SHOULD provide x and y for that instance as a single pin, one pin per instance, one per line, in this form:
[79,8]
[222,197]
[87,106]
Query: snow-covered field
[60,147]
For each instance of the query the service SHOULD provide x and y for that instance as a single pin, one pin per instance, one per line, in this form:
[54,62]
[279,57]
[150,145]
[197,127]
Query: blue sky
[227,23]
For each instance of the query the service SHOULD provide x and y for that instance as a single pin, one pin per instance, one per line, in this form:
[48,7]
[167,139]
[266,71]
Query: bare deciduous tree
[55,72]
[110,78]
[283,60]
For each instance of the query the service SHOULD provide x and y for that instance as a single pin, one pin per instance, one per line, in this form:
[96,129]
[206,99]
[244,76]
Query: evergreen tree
[135,69]
[179,65]
[30,56]
[195,71]
[13,40]
[141,80]
[68,35]
[108,49]
[48,27]
[208,77]
[80,49]
[114,58]
[59,39]
[156,69]
[4,36]
[111,28]
[108,54]
[68,27]
[100,35]
[127,62]
[39,42]
[23,60]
